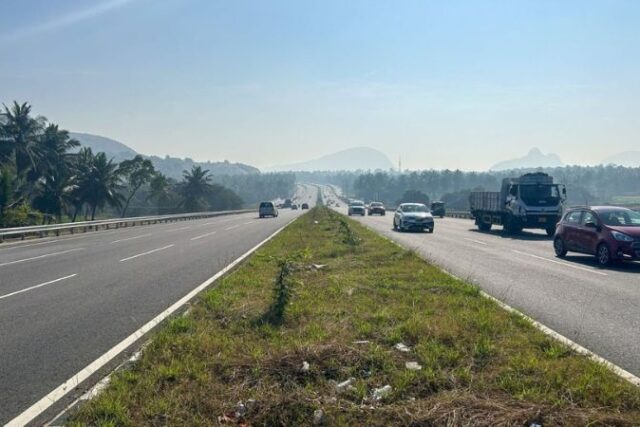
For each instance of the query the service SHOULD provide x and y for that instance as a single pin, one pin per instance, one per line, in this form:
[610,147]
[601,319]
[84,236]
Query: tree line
[586,185]
[45,176]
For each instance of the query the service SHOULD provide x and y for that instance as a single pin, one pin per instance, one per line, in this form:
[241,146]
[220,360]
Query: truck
[532,200]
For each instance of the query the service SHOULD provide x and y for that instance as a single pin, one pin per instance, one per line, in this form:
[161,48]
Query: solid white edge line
[38,286]
[58,393]
[622,373]
[147,253]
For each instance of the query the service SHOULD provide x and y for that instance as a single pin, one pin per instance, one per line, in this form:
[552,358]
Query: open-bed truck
[530,201]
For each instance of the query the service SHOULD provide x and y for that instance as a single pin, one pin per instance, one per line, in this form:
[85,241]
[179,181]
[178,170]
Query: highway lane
[597,308]
[65,302]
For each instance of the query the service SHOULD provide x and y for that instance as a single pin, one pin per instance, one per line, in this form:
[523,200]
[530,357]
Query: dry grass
[480,364]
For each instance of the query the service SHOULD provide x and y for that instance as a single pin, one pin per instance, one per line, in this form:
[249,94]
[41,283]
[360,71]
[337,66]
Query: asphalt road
[597,308]
[66,301]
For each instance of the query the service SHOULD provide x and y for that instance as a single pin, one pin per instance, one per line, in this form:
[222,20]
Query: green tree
[21,133]
[414,196]
[99,183]
[136,172]
[194,189]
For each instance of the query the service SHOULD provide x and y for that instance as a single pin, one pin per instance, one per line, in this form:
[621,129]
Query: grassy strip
[281,334]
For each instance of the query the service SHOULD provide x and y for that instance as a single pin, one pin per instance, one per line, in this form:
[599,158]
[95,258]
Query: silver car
[267,209]
[413,216]
[356,207]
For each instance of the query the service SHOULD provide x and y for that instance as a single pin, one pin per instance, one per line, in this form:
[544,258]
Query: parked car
[377,208]
[608,232]
[356,207]
[437,209]
[413,216]
[305,206]
[267,209]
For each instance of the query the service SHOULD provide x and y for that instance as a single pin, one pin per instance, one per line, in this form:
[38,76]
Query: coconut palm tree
[195,188]
[20,133]
[137,172]
[98,184]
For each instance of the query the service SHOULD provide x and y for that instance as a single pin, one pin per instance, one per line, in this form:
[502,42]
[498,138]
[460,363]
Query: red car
[608,232]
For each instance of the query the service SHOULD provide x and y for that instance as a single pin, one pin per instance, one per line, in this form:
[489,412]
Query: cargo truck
[530,201]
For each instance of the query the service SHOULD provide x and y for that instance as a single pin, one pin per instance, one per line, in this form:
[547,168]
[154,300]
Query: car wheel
[603,255]
[395,226]
[551,231]
[559,247]
[431,229]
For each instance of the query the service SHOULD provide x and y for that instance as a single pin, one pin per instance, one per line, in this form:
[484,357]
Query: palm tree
[160,191]
[194,189]
[137,171]
[55,194]
[21,132]
[55,145]
[98,183]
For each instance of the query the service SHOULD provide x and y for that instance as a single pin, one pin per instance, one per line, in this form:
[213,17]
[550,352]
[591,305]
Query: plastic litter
[381,393]
[305,366]
[402,347]
[414,366]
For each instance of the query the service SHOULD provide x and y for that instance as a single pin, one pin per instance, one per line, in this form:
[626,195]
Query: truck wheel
[551,231]
[603,255]
[559,247]
[483,226]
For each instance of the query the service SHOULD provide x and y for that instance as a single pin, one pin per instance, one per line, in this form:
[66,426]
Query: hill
[533,159]
[169,166]
[629,159]
[358,158]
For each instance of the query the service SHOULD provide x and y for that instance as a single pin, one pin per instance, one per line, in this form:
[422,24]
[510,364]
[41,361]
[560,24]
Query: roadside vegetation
[331,324]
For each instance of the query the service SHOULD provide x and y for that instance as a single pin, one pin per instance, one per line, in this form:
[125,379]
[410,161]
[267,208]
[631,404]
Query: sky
[439,84]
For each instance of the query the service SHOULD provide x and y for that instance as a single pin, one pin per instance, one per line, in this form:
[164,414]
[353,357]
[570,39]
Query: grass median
[331,324]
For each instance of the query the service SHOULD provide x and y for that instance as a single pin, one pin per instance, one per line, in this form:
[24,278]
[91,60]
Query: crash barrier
[84,226]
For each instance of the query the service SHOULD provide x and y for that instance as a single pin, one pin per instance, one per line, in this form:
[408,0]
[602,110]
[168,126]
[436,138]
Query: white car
[356,207]
[413,216]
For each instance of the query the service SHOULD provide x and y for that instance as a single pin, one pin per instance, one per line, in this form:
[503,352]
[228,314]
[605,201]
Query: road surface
[597,308]
[66,301]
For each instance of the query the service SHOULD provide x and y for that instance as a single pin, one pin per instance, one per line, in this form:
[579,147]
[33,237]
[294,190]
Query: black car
[305,206]
[377,208]
[437,209]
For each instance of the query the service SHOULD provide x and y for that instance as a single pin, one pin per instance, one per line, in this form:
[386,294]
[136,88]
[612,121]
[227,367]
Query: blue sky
[457,84]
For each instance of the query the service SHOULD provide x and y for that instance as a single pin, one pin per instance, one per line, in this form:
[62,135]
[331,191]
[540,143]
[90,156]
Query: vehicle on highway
[377,208]
[608,232]
[287,204]
[530,201]
[267,209]
[356,207]
[294,207]
[305,206]
[413,216]
[437,209]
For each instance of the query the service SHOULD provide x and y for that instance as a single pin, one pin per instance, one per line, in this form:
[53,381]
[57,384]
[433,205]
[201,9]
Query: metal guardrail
[84,226]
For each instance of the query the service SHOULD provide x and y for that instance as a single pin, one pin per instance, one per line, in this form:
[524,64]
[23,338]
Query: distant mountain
[169,166]
[359,158]
[627,158]
[534,159]
[110,147]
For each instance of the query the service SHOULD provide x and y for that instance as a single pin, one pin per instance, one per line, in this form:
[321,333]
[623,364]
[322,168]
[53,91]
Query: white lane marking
[247,223]
[146,253]
[40,257]
[204,235]
[565,264]
[476,241]
[38,286]
[232,227]
[59,392]
[177,229]
[19,245]
[132,238]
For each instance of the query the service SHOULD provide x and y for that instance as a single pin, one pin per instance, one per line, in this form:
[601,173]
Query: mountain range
[352,159]
[169,166]
[533,159]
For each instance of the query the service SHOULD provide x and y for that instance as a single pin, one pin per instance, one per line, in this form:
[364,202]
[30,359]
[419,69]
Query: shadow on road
[523,235]
[590,261]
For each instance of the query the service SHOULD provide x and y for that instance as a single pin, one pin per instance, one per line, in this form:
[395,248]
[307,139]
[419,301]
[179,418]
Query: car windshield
[414,208]
[620,217]
[540,194]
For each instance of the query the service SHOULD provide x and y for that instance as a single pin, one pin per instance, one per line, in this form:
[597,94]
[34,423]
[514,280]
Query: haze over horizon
[442,85]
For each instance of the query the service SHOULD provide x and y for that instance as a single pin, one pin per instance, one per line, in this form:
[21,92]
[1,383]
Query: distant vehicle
[305,206]
[356,207]
[267,209]
[287,204]
[413,216]
[610,233]
[530,201]
[294,207]
[437,209]
[377,208]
